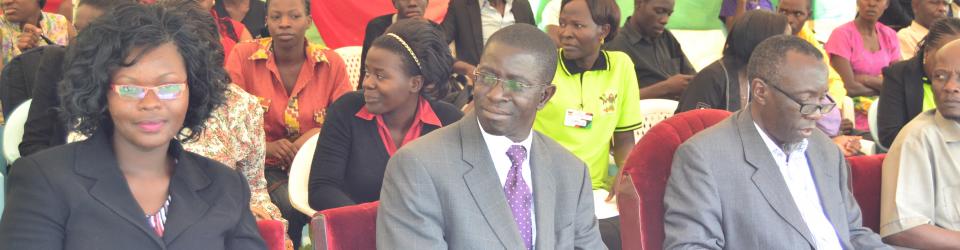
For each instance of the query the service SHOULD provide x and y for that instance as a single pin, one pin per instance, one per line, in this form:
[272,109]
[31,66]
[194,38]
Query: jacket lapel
[476,25]
[826,182]
[767,178]
[913,89]
[544,193]
[96,160]
[186,205]
[483,183]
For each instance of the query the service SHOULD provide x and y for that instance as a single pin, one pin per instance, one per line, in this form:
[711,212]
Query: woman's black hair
[603,12]
[751,29]
[106,45]
[941,29]
[429,44]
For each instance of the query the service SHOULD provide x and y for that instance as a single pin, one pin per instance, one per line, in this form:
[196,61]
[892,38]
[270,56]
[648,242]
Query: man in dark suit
[489,181]
[470,23]
[779,183]
[377,26]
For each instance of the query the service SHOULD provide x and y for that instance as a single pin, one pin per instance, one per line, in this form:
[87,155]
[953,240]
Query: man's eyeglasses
[164,92]
[491,80]
[806,109]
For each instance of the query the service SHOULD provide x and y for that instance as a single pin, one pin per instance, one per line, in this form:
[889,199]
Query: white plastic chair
[300,176]
[351,57]
[13,132]
[654,111]
[872,120]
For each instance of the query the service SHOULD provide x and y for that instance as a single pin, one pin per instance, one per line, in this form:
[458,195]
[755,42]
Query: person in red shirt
[295,81]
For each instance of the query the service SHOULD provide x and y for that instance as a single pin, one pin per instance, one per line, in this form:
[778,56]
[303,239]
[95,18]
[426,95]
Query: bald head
[527,39]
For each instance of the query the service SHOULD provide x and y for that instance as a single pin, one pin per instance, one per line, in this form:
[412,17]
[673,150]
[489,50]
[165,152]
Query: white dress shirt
[492,21]
[498,146]
[796,173]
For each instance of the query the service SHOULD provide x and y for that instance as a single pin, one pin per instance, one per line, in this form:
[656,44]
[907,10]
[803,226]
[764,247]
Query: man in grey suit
[775,181]
[473,184]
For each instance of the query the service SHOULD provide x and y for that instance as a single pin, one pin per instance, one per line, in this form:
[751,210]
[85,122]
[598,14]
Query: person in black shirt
[663,71]
[406,68]
[377,26]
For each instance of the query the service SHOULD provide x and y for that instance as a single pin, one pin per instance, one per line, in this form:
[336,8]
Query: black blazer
[75,197]
[44,128]
[462,25]
[375,28]
[350,158]
[16,82]
[901,99]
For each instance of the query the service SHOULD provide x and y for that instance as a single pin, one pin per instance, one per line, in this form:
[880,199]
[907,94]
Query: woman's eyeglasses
[164,92]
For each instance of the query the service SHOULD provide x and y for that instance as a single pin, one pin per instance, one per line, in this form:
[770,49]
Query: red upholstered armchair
[272,233]
[649,165]
[346,228]
[866,172]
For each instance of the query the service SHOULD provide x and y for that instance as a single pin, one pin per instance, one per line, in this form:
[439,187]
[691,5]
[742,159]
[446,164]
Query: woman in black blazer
[406,69]
[138,81]
[902,97]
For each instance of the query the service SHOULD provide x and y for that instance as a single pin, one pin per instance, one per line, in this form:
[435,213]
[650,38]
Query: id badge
[577,119]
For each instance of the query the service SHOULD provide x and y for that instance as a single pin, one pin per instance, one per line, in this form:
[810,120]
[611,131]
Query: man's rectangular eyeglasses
[490,80]
[164,92]
[806,109]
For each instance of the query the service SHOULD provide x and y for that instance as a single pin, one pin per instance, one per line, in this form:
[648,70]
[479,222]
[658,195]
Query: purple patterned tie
[518,194]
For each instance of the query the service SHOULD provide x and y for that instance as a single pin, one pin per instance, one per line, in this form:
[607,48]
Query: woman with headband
[397,104]
[296,81]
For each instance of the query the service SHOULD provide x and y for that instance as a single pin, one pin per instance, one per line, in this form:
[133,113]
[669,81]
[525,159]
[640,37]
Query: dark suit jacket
[734,197]
[375,28]
[17,80]
[901,98]
[350,158]
[442,191]
[75,197]
[44,128]
[462,25]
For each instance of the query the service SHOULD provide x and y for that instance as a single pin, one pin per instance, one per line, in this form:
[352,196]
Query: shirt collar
[425,113]
[571,67]
[500,144]
[633,34]
[776,149]
[916,27]
[806,33]
[950,129]
[316,53]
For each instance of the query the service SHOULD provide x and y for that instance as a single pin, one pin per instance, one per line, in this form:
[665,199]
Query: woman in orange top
[295,81]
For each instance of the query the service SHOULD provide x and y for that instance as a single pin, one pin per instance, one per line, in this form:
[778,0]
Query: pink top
[846,42]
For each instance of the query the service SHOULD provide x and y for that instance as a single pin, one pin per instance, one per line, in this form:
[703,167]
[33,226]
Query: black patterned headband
[409,50]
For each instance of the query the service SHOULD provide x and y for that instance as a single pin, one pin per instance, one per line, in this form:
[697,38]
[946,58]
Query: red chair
[866,172]
[351,227]
[649,165]
[272,233]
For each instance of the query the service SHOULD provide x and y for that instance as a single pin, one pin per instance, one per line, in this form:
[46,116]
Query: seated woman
[295,81]
[140,80]
[597,99]
[906,87]
[859,50]
[723,84]
[231,31]
[406,66]
[24,24]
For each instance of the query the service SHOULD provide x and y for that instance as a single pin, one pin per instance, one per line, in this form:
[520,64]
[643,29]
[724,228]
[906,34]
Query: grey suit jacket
[74,197]
[726,192]
[443,192]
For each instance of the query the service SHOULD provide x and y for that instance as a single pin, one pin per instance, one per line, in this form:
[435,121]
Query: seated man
[377,26]
[470,23]
[925,12]
[489,181]
[663,71]
[918,205]
[779,183]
